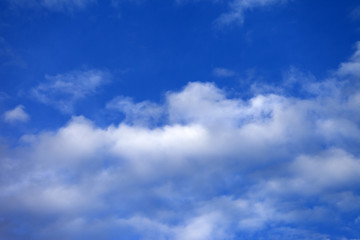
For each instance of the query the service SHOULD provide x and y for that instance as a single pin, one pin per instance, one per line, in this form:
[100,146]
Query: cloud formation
[63,90]
[17,114]
[211,167]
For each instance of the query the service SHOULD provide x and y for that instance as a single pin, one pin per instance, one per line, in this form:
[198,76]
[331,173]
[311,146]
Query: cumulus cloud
[17,114]
[63,90]
[211,167]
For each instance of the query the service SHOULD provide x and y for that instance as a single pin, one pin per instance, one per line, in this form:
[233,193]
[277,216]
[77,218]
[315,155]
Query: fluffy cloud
[64,90]
[208,166]
[17,114]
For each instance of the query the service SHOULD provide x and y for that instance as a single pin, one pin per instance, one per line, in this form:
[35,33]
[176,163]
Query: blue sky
[179,119]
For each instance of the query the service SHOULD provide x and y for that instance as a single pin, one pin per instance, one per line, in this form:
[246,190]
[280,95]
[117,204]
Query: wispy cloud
[142,113]
[64,90]
[237,9]
[17,114]
[223,73]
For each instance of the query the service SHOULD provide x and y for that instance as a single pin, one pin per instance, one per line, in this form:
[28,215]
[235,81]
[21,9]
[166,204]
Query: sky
[179,119]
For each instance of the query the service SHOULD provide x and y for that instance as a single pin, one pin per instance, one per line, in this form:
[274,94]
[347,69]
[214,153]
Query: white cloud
[212,167]
[64,90]
[207,133]
[204,227]
[326,172]
[332,169]
[351,68]
[239,7]
[17,114]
